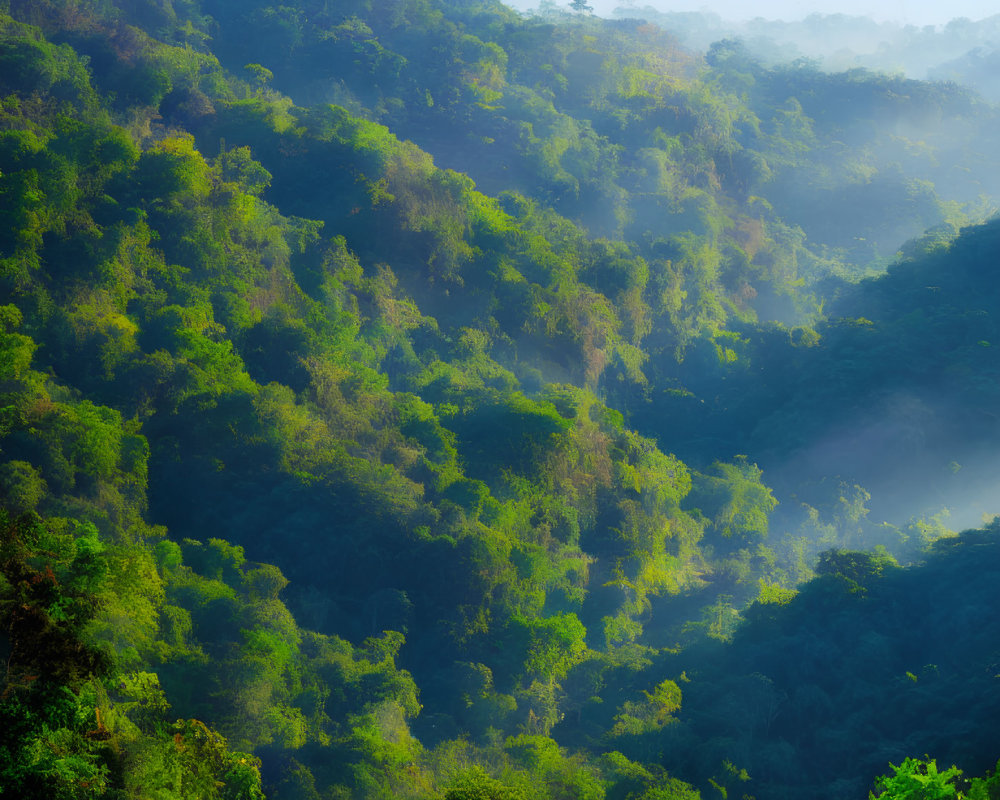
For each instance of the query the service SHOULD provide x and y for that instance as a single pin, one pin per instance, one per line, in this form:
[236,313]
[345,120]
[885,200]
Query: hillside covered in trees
[418,399]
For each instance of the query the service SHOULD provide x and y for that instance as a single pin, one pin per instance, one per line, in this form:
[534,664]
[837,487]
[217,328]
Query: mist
[905,453]
[960,49]
[899,12]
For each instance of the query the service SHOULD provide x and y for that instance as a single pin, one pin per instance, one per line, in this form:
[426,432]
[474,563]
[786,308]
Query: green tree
[476,784]
[918,780]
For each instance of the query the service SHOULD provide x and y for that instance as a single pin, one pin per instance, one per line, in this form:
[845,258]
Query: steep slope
[313,444]
[159,328]
[896,393]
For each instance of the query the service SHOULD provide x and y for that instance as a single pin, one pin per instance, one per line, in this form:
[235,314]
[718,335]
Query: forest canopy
[419,399]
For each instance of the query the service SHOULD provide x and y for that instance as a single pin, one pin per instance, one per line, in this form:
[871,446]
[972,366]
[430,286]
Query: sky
[910,12]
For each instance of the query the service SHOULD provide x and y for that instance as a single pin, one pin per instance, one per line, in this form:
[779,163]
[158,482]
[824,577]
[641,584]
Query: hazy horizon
[901,11]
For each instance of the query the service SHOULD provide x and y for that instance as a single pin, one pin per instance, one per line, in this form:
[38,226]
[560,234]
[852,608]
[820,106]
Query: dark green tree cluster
[865,665]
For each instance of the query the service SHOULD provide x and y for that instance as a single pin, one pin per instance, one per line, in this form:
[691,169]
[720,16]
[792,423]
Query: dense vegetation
[385,390]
